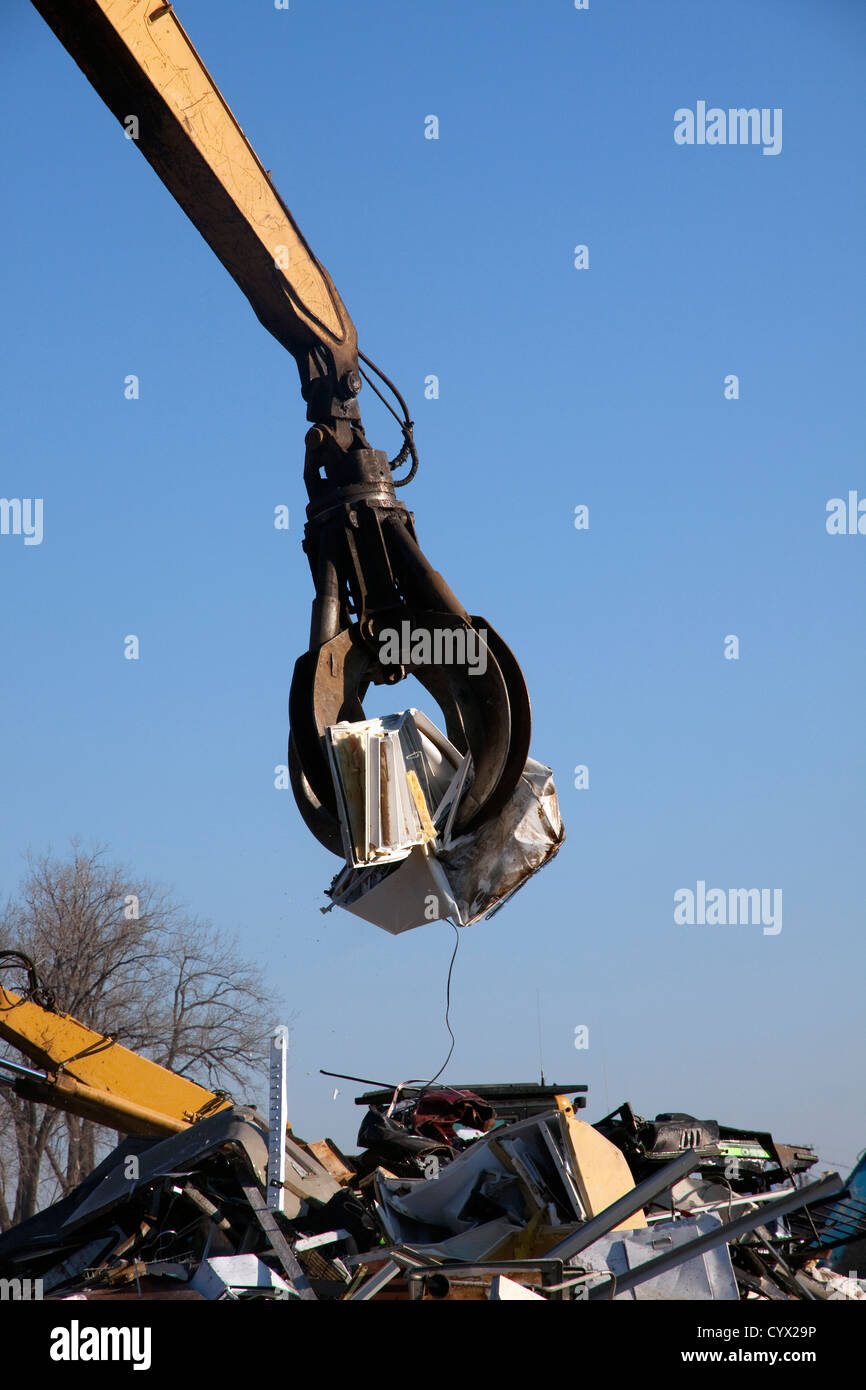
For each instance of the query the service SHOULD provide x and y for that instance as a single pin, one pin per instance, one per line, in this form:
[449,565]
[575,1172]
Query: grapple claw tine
[486,707]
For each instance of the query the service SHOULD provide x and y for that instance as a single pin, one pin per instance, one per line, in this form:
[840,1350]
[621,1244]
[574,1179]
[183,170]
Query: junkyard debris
[451,1198]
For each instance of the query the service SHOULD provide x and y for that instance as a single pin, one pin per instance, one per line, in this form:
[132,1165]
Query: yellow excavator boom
[139,58]
[369,572]
[91,1075]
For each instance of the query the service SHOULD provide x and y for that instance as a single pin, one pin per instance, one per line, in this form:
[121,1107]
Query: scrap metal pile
[465,1192]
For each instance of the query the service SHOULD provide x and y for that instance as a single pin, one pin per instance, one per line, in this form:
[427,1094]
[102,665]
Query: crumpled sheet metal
[485,1196]
[463,879]
[487,866]
[233,1130]
[237,1130]
[233,1276]
[396,897]
[707,1276]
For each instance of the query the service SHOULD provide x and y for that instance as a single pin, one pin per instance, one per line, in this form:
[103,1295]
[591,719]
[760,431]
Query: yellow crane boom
[369,572]
[89,1074]
[139,58]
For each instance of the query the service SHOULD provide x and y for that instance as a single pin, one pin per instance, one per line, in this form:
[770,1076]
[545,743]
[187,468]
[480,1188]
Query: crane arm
[140,60]
[90,1074]
[369,572]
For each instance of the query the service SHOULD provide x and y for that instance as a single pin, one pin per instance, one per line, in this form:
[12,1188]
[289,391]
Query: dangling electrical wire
[429,1083]
[403,1085]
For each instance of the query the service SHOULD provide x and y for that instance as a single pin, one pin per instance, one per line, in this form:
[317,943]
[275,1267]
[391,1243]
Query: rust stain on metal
[384,803]
[421,807]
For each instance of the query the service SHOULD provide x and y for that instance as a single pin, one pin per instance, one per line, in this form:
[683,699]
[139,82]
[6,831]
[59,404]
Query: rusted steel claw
[486,712]
[381,612]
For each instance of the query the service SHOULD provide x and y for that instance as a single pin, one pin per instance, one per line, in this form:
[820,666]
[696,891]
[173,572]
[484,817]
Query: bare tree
[124,958]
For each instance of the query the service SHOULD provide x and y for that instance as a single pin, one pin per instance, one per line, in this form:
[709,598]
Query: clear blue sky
[558,387]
